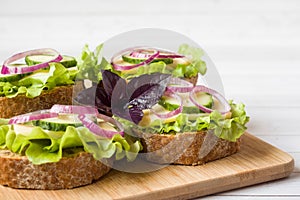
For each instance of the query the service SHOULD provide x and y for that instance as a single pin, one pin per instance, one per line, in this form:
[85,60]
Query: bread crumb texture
[72,171]
[21,104]
[190,148]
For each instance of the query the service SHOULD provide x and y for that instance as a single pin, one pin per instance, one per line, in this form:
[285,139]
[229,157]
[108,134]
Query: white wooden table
[254,44]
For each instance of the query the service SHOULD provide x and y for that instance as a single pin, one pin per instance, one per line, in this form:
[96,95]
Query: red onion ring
[6,69]
[128,67]
[201,88]
[73,109]
[179,85]
[94,128]
[37,115]
[138,53]
[173,112]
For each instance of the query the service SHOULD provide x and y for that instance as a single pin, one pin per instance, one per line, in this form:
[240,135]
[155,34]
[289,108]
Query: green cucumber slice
[188,107]
[135,60]
[67,61]
[12,77]
[106,125]
[23,129]
[59,123]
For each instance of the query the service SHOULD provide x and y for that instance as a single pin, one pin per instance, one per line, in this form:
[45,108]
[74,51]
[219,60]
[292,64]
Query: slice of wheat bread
[21,104]
[75,169]
[190,148]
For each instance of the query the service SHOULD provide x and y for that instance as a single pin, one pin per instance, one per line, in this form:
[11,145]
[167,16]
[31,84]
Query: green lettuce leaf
[89,66]
[45,147]
[3,131]
[229,129]
[4,121]
[197,65]
[33,84]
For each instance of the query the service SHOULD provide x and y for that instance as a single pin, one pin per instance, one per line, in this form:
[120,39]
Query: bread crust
[190,148]
[21,104]
[71,171]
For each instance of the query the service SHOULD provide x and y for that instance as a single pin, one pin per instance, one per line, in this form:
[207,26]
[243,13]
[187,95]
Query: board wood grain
[256,162]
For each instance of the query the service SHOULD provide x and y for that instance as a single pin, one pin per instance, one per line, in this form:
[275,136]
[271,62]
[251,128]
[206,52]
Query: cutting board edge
[285,167]
[216,190]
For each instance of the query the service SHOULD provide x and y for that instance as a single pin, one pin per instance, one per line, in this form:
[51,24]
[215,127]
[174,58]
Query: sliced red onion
[218,96]
[138,53]
[179,85]
[73,109]
[173,112]
[7,69]
[128,67]
[37,115]
[94,128]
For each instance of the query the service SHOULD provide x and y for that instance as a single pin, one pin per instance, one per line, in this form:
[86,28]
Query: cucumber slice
[107,126]
[194,116]
[188,107]
[42,75]
[202,98]
[12,77]
[67,61]
[59,123]
[135,60]
[23,129]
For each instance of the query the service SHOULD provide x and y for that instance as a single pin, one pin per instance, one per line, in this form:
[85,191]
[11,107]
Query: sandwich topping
[43,69]
[159,103]
[43,135]
[8,69]
[137,61]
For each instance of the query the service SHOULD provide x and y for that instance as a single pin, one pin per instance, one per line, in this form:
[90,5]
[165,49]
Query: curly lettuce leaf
[34,84]
[229,129]
[89,66]
[46,147]
[197,64]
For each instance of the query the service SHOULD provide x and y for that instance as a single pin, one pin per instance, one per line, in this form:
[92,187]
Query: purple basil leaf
[136,114]
[86,96]
[139,85]
[147,90]
[102,98]
[104,90]
[109,81]
[149,97]
[129,101]
[120,100]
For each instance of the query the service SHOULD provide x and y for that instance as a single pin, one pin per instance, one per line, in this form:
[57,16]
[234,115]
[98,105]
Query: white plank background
[254,44]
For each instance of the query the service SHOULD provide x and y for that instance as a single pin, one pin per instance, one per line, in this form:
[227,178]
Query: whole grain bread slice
[21,104]
[189,148]
[76,168]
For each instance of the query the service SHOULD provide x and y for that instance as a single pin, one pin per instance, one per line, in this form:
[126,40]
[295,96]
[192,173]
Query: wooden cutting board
[256,162]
